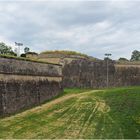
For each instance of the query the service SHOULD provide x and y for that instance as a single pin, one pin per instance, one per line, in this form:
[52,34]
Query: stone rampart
[93,74]
[24,84]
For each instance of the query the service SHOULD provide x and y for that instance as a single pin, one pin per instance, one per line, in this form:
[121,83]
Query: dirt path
[49,104]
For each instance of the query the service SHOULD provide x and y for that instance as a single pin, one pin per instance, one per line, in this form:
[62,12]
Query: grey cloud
[90,27]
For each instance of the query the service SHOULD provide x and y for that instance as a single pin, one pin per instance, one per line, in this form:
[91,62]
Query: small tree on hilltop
[4,49]
[123,59]
[135,56]
[26,50]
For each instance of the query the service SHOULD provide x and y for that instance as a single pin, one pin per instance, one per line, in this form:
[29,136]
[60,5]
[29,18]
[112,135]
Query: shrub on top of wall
[23,55]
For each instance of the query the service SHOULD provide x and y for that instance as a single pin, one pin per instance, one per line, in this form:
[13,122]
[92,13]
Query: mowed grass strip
[112,113]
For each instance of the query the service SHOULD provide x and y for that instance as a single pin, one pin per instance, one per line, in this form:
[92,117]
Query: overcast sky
[91,27]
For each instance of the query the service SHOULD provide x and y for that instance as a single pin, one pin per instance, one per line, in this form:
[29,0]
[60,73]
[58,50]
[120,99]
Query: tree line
[7,50]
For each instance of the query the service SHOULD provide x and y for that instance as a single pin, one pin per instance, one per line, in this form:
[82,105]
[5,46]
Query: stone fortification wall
[93,74]
[127,75]
[21,67]
[24,84]
[59,58]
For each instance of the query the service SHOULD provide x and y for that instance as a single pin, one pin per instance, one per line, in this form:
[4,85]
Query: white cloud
[92,27]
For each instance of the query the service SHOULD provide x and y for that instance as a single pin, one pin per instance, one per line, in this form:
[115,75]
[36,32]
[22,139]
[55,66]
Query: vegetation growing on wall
[33,53]
[128,62]
[122,59]
[64,52]
[25,59]
[135,59]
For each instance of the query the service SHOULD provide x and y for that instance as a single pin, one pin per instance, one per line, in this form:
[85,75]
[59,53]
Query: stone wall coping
[26,59]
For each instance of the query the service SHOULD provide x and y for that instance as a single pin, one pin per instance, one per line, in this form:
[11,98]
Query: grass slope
[64,52]
[113,113]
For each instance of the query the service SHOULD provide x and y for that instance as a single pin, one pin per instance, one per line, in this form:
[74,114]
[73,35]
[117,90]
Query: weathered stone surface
[21,67]
[93,74]
[127,76]
[24,84]
[19,95]
[1,108]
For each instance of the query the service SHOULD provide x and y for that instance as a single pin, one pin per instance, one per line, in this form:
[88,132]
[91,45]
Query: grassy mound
[113,113]
[64,52]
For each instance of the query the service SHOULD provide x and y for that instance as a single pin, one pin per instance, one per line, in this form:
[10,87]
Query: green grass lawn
[112,113]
